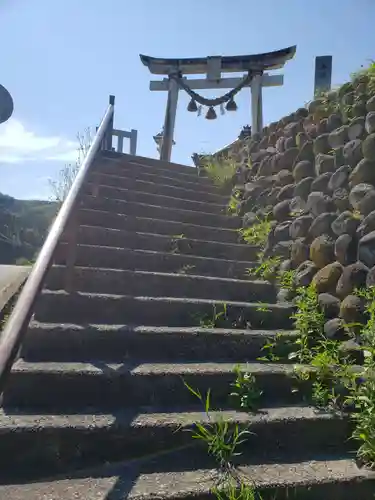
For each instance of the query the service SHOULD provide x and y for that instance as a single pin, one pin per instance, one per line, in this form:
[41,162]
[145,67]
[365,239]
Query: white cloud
[17,144]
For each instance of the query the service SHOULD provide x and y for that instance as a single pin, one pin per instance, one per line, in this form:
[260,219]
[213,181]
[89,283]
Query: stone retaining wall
[314,173]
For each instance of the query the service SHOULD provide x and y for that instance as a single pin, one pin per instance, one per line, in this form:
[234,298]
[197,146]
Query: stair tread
[96,367]
[193,330]
[160,197]
[222,218]
[188,190]
[132,480]
[170,236]
[177,275]
[279,306]
[151,417]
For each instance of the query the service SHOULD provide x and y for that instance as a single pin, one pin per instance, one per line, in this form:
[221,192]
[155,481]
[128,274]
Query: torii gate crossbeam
[213,67]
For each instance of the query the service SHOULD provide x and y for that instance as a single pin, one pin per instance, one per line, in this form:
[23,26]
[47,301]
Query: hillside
[23,227]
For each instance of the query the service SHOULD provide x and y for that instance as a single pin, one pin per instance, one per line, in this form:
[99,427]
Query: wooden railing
[17,324]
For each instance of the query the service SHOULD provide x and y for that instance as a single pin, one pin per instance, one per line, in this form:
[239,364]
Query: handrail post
[107,143]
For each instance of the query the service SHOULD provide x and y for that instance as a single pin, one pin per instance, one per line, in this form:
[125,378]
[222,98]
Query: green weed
[221,437]
[245,390]
[220,171]
[257,234]
[267,269]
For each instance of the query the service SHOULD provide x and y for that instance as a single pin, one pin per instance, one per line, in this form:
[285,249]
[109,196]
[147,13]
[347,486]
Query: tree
[61,186]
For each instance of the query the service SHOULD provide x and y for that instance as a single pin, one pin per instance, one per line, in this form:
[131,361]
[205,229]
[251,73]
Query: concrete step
[92,438]
[109,343]
[176,231]
[69,387]
[172,243]
[155,199]
[159,212]
[325,477]
[160,185]
[198,184]
[153,165]
[154,284]
[62,307]
[149,260]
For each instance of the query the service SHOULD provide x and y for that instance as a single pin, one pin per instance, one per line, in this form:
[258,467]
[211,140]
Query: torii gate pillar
[213,67]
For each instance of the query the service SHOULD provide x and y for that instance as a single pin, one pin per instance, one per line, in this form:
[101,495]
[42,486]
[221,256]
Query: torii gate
[255,77]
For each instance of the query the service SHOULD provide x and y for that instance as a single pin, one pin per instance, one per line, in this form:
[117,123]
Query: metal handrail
[16,326]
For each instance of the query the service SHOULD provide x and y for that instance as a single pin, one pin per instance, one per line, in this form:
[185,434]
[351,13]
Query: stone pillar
[256,104]
[169,122]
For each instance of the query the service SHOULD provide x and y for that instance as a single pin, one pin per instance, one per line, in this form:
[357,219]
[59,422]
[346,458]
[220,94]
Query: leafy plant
[221,171]
[213,321]
[309,321]
[176,241]
[235,491]
[245,390]
[257,234]
[267,268]
[221,437]
[234,203]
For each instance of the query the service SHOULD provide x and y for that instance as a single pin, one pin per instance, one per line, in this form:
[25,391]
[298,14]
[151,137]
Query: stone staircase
[96,408]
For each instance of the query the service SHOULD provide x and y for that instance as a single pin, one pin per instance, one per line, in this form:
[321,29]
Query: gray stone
[318,203]
[297,205]
[321,144]
[370,122]
[325,280]
[322,225]
[284,177]
[353,152]
[338,137]
[367,204]
[303,188]
[289,143]
[305,273]
[322,251]
[345,223]
[283,249]
[334,329]
[320,184]
[281,211]
[286,193]
[345,249]
[324,163]
[302,170]
[299,252]
[329,304]
[351,352]
[334,120]
[367,225]
[352,309]
[339,178]
[287,159]
[281,232]
[358,193]
[340,199]
[299,228]
[353,276]
[370,280]
[370,105]
[356,129]
[366,249]
[364,172]
[249,219]
[368,148]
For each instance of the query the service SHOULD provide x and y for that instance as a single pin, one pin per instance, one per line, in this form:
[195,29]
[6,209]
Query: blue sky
[60,59]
